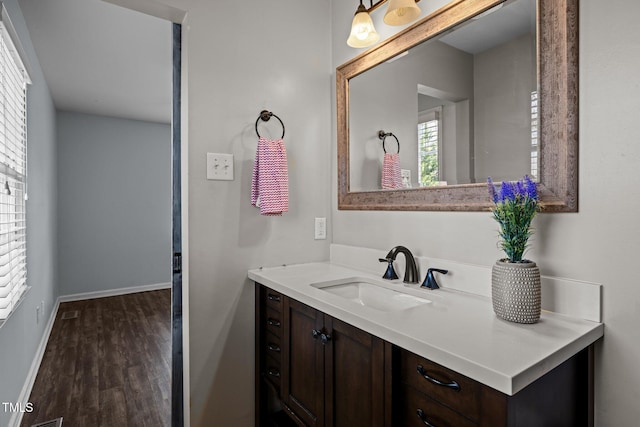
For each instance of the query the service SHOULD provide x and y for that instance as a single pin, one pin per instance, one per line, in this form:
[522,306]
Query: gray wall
[242,57]
[21,334]
[379,99]
[114,203]
[504,78]
[596,244]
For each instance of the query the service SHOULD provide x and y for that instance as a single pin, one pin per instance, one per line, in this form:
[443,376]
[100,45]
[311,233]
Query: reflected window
[534,135]
[429,136]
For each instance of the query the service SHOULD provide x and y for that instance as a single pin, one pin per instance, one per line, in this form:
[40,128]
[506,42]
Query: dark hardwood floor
[110,366]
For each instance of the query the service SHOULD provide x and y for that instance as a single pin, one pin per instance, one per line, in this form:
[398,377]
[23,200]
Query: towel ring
[382,135]
[265,116]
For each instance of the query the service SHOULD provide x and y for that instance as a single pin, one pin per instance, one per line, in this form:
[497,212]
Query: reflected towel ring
[382,135]
[265,116]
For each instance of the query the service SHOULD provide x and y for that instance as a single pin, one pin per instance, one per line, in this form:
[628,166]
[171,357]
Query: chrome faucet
[410,270]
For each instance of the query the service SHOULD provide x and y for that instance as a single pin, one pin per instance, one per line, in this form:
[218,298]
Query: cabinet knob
[274,372]
[273,297]
[423,418]
[450,384]
[325,338]
[273,347]
[273,322]
[317,333]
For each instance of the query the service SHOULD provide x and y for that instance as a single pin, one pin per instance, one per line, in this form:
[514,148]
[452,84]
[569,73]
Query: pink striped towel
[270,183]
[391,178]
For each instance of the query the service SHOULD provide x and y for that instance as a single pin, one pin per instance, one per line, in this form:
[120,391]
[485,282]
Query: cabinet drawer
[273,299]
[273,322]
[419,410]
[444,385]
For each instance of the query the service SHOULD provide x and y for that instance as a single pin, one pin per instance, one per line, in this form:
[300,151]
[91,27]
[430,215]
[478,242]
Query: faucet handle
[390,274]
[430,280]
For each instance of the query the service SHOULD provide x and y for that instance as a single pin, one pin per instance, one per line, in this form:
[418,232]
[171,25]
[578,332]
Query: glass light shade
[401,12]
[363,33]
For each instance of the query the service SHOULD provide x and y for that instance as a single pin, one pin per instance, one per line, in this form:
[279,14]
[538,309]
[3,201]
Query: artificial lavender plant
[515,205]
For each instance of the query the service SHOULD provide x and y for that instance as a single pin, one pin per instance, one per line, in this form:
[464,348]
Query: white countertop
[457,330]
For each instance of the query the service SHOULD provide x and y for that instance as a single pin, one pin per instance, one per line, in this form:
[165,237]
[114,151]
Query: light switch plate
[220,166]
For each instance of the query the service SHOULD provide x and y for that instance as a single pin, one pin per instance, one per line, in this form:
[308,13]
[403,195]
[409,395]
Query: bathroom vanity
[339,346]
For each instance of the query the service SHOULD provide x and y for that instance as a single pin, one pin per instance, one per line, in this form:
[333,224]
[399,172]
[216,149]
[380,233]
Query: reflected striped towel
[391,178]
[270,183]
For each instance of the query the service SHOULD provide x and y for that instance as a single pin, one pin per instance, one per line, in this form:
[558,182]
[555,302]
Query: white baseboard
[16,419]
[113,292]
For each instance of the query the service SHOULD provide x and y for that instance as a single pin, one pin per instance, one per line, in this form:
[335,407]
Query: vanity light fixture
[399,12]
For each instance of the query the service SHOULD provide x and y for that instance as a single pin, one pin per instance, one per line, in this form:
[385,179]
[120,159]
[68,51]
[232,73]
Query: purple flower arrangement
[515,205]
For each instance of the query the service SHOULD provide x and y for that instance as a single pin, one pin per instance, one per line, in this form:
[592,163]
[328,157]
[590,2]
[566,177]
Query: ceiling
[494,27]
[103,59]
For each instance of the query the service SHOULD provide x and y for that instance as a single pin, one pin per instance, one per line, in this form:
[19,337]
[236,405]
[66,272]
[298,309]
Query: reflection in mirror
[557,111]
[463,105]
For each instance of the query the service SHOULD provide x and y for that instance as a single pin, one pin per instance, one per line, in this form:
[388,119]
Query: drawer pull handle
[273,297]
[273,322]
[451,384]
[273,347]
[423,418]
[316,333]
[274,372]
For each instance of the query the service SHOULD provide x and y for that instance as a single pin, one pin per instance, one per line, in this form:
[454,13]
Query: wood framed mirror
[557,108]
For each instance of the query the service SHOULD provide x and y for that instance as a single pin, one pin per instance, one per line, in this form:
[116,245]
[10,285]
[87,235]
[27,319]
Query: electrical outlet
[321,229]
[220,166]
[406,178]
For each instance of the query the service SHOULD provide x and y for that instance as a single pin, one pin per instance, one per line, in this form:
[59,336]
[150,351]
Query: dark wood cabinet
[426,393]
[331,373]
[354,376]
[303,376]
[318,371]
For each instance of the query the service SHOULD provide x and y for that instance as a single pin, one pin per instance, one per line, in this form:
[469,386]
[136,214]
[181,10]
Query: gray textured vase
[515,291]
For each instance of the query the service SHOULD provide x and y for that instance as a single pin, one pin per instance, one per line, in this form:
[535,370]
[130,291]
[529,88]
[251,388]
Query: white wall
[242,57]
[21,334]
[114,207]
[597,244]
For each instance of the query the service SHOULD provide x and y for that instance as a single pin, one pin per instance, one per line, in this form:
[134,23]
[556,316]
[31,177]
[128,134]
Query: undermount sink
[369,293]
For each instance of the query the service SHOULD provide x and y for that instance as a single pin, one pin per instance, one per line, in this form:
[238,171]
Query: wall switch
[321,229]
[220,166]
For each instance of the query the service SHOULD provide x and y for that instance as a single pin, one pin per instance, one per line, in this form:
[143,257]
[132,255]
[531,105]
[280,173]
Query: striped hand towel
[270,183]
[391,178]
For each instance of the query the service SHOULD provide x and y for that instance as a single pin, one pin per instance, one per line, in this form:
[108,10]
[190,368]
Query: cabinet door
[303,362]
[354,377]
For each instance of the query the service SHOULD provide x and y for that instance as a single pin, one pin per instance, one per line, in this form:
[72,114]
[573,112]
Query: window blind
[428,145]
[13,174]
[535,148]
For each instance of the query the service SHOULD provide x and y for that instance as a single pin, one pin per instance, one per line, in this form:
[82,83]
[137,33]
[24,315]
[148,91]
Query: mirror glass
[463,106]
[485,128]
